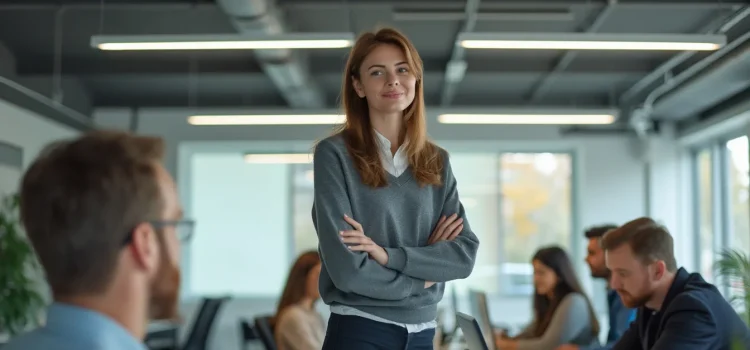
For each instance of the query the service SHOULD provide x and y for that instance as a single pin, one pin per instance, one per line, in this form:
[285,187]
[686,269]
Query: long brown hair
[556,259]
[424,156]
[296,283]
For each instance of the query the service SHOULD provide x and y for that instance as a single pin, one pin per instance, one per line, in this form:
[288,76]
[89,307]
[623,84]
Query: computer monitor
[481,312]
[475,340]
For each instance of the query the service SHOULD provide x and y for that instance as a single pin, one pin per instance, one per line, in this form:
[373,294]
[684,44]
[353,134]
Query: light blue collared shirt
[74,328]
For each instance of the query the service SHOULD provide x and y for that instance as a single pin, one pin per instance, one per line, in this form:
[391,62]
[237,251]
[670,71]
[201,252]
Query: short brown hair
[649,241]
[598,231]
[80,200]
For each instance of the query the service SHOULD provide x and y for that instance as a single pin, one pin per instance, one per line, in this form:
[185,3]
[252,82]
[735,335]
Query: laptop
[473,336]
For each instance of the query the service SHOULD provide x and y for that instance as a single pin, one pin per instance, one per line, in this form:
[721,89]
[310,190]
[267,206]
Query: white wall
[29,131]
[609,173]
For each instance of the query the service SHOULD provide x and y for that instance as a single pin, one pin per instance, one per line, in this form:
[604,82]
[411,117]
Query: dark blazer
[694,316]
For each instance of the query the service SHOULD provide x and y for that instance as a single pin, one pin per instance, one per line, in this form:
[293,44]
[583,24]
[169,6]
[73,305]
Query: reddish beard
[630,301]
[165,290]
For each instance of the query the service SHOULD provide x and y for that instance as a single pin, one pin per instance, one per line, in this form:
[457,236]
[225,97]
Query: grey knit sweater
[399,218]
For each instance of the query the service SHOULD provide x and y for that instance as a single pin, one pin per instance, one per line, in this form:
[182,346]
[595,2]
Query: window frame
[721,213]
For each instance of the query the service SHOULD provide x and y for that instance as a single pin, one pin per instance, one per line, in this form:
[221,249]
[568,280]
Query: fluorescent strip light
[268,119]
[223,42]
[586,41]
[587,45]
[528,119]
[288,158]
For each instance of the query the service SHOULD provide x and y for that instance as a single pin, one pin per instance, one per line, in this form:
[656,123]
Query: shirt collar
[385,144]
[90,326]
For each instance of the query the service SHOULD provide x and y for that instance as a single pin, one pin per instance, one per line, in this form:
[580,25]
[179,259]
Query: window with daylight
[251,214]
[516,203]
[738,173]
[705,201]
[536,211]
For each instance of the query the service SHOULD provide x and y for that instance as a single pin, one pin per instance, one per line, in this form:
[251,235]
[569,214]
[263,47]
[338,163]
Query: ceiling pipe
[641,117]
[703,68]
[287,69]
[43,105]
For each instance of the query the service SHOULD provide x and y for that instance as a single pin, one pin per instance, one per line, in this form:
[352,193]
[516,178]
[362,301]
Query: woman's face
[545,278]
[386,80]
[312,282]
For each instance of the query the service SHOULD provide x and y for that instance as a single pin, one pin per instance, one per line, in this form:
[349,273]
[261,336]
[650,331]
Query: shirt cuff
[396,259]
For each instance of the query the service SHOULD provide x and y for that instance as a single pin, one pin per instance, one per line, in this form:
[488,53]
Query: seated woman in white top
[297,326]
[562,312]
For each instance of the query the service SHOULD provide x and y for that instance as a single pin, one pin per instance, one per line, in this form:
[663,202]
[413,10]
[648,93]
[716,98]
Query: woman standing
[390,225]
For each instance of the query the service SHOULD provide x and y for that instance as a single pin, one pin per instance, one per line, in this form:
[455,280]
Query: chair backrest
[265,332]
[247,333]
[199,333]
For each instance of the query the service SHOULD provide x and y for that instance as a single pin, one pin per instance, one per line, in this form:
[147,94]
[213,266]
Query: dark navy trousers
[358,333]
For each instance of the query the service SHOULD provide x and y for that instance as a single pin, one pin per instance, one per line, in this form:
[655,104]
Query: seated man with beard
[676,309]
[103,216]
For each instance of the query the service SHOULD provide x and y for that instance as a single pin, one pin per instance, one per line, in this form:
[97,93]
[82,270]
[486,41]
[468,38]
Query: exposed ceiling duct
[287,69]
[705,83]
[692,93]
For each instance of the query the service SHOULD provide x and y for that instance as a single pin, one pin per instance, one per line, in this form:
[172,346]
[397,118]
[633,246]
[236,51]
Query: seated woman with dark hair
[562,312]
[297,325]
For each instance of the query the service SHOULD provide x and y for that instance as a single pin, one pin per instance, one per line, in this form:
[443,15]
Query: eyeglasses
[183,228]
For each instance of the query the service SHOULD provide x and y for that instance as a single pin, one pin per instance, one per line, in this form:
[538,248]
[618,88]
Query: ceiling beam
[505,5]
[541,88]
[181,65]
[88,5]
[456,67]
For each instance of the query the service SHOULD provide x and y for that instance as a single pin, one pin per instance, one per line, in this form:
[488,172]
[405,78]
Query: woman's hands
[447,229]
[362,243]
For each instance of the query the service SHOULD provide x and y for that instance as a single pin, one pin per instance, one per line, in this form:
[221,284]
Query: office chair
[265,332]
[247,333]
[199,333]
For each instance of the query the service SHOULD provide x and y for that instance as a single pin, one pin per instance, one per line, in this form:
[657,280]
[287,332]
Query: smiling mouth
[392,95]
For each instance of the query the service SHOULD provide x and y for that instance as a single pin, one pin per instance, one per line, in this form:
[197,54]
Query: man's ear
[659,269]
[358,87]
[144,247]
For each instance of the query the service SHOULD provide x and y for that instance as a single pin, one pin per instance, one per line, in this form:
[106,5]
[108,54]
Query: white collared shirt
[395,164]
